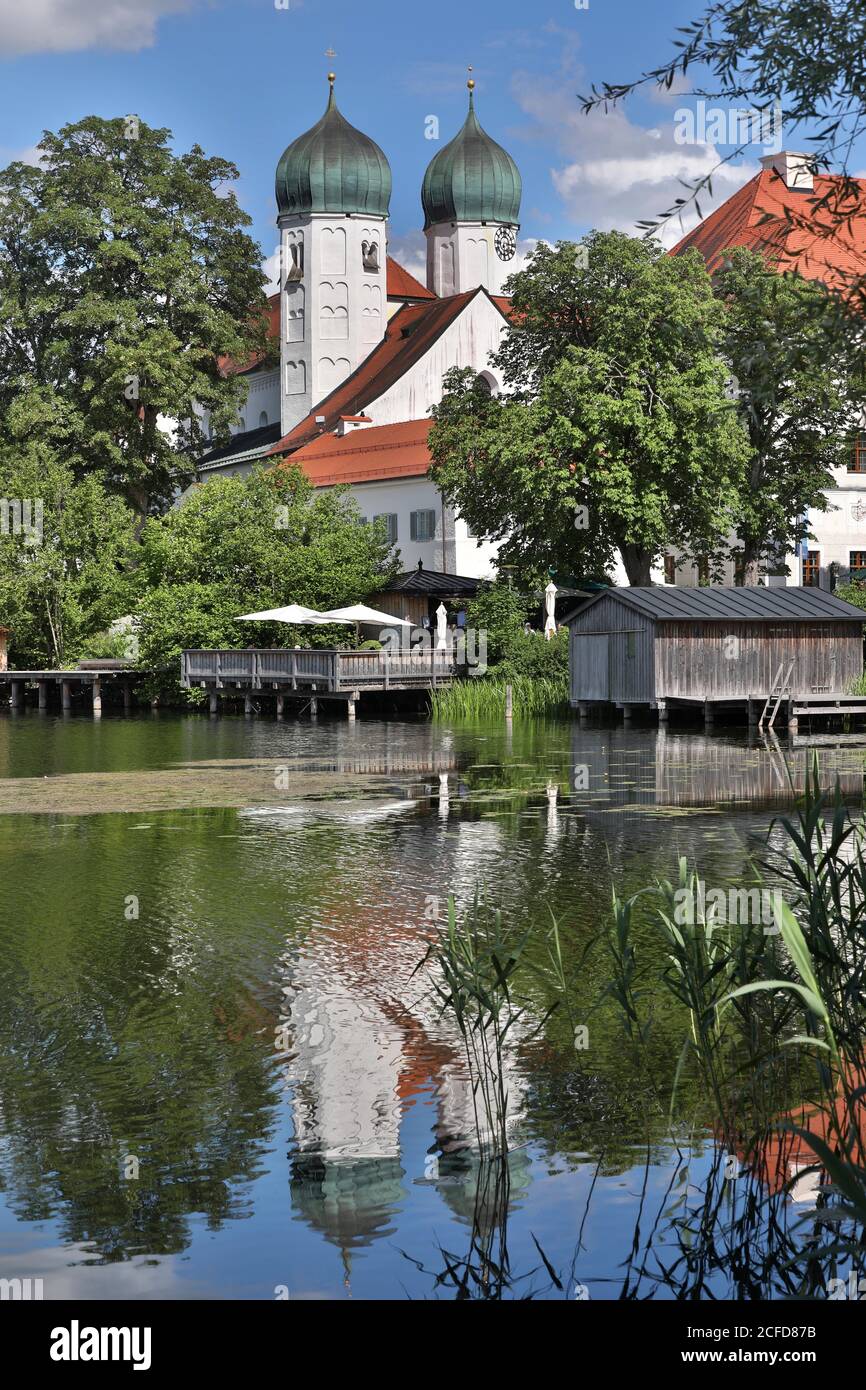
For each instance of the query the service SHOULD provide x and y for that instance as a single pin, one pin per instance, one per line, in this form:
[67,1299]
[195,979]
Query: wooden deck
[93,680]
[314,672]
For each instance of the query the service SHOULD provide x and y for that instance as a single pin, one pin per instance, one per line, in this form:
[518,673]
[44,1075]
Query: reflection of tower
[347,1060]
[333,190]
[365,1041]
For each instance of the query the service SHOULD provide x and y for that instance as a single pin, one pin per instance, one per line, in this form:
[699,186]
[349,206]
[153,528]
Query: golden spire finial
[332,77]
[471,83]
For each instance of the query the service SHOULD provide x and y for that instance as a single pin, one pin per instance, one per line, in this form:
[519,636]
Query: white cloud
[271,268]
[31,155]
[410,251]
[68,26]
[615,173]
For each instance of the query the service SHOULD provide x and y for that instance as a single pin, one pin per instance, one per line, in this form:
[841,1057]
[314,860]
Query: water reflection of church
[366,1045]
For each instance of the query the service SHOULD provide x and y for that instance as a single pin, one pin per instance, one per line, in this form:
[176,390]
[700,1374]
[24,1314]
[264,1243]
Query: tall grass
[483,698]
[772,1009]
[474,962]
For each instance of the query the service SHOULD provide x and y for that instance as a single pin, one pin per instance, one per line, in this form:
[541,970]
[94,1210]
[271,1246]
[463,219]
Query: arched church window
[370,254]
[295,267]
[263,419]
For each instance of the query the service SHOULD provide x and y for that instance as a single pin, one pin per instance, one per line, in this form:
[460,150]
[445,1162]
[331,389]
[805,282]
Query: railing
[323,667]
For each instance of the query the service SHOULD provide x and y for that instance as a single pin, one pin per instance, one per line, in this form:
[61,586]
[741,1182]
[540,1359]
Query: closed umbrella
[550,604]
[441,628]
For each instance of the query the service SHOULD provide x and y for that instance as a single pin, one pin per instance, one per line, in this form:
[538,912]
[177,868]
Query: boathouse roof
[713,602]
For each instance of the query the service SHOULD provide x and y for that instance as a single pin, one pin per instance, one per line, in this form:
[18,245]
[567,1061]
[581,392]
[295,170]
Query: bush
[500,611]
[532,655]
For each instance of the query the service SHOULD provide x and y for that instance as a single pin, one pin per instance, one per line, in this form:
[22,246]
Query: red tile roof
[503,304]
[790,228]
[402,285]
[410,334]
[364,456]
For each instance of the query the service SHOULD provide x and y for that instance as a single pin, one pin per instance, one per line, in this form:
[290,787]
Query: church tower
[333,191]
[471,198]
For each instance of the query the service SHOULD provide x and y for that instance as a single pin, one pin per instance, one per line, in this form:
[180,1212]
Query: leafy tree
[615,432]
[500,610]
[65,549]
[243,545]
[125,275]
[852,593]
[807,55]
[792,349]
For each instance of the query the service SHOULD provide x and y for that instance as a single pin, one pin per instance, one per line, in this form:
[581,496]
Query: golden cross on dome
[329,53]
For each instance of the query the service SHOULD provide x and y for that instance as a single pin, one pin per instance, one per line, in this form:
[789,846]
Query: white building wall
[450,551]
[468,342]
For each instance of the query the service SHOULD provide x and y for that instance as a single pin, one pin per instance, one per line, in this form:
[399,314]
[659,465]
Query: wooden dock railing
[324,669]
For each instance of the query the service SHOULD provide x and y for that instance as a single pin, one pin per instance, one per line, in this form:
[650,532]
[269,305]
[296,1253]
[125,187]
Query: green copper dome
[472,180]
[333,168]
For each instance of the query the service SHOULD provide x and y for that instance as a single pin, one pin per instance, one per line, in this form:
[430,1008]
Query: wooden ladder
[780,688]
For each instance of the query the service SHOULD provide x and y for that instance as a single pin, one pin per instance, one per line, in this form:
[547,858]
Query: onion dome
[472,179]
[333,168]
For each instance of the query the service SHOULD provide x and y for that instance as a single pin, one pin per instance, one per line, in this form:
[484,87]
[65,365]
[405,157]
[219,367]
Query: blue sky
[243,78]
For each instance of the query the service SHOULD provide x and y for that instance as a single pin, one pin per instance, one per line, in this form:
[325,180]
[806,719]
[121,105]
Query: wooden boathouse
[761,649]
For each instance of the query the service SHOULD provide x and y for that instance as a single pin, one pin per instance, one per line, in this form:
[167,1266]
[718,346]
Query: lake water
[221,1073]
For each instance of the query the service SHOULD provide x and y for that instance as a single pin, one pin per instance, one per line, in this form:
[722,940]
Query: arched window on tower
[370,254]
[295,265]
[263,419]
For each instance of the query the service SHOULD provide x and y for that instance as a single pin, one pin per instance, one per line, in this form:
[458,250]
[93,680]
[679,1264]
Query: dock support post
[663,711]
[66,695]
[213,704]
[248,705]
[509,702]
[350,706]
[43,694]
[583,711]
[281,702]
[709,714]
[17,689]
[127,697]
[626,714]
[753,713]
[97,697]
[314,707]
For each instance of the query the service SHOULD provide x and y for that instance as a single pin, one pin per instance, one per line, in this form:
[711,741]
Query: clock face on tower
[506,243]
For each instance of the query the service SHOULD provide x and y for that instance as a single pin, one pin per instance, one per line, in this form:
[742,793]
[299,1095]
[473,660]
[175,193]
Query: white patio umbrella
[441,628]
[295,613]
[362,616]
[360,613]
[550,604]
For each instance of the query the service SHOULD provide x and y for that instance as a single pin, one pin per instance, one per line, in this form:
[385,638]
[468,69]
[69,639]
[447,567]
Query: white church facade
[363,346]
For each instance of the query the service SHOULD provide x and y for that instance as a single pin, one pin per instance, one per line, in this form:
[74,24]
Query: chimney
[796,169]
[348,423]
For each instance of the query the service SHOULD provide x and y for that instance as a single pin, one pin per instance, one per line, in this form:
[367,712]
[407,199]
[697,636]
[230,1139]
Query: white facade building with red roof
[363,346]
[815,225]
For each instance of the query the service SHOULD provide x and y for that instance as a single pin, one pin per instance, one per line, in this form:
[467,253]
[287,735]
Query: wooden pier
[92,680]
[314,673]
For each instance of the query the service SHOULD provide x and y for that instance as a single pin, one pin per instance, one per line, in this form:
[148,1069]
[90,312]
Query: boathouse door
[591,665]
